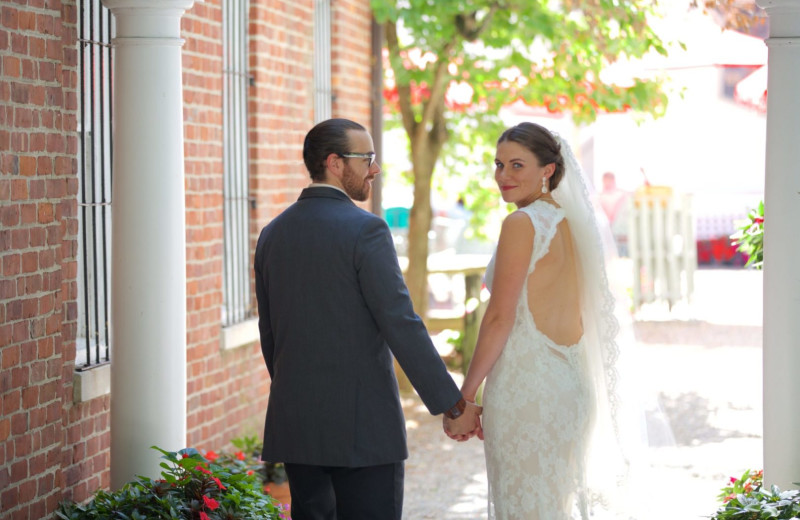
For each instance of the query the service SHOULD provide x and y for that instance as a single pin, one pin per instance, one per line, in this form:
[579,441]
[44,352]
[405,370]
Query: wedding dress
[551,419]
[537,403]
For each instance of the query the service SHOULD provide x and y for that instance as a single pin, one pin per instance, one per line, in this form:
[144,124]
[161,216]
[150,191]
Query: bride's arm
[513,257]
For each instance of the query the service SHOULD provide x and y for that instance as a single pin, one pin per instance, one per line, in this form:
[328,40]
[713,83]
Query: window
[237,301]
[323,92]
[95,31]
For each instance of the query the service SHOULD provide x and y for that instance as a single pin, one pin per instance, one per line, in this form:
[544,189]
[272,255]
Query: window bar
[234,167]
[243,203]
[241,268]
[96,129]
[105,96]
[226,129]
[83,48]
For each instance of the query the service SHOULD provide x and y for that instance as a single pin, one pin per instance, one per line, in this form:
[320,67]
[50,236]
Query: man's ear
[335,165]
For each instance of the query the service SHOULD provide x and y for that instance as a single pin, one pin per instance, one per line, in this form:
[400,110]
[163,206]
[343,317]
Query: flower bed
[192,487]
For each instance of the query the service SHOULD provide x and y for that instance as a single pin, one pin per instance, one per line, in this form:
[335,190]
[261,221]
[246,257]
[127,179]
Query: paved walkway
[700,370]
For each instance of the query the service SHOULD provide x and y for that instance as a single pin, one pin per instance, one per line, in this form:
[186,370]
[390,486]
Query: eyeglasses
[369,156]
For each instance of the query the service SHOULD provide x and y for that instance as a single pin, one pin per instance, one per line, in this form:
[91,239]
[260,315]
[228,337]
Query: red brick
[30,397]
[19,377]
[30,262]
[27,213]
[48,392]
[45,212]
[12,264]
[10,215]
[5,431]
[27,491]
[38,143]
[10,357]
[37,418]
[38,509]
[11,66]
[10,498]
[28,352]
[49,437]
[19,189]
[36,49]
[27,165]
[22,446]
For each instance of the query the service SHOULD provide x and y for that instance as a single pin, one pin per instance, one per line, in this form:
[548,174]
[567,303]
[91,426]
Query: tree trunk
[419,224]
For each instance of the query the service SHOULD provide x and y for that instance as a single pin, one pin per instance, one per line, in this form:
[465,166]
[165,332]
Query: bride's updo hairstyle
[541,143]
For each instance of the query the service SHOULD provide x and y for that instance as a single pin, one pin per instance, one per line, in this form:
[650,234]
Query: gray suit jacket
[333,308]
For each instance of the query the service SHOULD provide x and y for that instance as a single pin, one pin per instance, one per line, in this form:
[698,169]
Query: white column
[148,273]
[782,247]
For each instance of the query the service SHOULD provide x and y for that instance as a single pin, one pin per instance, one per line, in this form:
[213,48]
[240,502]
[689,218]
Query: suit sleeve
[387,298]
[264,324]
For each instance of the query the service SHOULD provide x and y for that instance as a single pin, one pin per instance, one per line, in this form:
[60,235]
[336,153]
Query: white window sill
[90,384]
[240,334]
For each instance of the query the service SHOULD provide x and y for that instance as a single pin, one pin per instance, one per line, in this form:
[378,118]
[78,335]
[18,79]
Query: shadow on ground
[689,415]
[694,332]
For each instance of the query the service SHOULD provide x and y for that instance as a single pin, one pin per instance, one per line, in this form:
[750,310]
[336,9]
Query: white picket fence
[662,246]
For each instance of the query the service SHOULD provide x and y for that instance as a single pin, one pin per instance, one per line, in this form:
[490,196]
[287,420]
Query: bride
[546,345]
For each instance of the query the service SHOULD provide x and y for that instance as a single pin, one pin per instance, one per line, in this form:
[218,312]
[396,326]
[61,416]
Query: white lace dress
[536,410]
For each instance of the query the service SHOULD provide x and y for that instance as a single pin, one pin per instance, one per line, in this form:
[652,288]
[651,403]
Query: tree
[548,53]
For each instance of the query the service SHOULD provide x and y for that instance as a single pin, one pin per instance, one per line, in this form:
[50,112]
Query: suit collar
[324,191]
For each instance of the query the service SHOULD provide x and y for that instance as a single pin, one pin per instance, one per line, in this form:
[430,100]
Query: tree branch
[439,88]
[467,24]
[403,89]
[469,29]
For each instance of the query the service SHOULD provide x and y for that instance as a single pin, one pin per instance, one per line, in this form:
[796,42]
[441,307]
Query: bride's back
[553,296]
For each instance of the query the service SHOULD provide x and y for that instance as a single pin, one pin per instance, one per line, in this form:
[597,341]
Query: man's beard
[356,188]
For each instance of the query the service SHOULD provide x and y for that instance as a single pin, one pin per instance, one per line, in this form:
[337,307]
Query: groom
[333,310]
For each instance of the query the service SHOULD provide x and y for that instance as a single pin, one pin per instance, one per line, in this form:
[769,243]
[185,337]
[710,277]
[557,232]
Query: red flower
[733,480]
[211,455]
[215,479]
[210,503]
[250,471]
[729,498]
[239,455]
[204,516]
[185,456]
[201,468]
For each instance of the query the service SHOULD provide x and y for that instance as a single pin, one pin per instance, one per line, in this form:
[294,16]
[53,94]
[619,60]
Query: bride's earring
[544,185]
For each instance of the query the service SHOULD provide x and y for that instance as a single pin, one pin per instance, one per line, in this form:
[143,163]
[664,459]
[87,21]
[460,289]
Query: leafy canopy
[547,53]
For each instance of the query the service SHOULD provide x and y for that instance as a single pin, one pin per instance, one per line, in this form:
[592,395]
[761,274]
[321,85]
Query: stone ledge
[91,383]
[239,334]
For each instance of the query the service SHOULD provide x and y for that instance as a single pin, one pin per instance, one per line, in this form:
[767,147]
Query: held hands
[467,425]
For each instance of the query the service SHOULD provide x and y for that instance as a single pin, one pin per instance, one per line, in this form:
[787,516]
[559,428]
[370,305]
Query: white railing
[662,246]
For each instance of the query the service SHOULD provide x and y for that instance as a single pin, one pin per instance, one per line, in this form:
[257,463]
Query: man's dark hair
[327,137]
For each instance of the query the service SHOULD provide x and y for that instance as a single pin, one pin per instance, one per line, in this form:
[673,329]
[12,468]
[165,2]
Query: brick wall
[281,104]
[351,60]
[52,449]
[38,186]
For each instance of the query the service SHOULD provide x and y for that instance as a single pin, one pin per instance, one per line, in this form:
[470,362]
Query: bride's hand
[467,425]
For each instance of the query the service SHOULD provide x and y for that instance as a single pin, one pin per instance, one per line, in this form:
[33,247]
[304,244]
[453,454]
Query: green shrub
[192,487]
[746,499]
[749,239]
